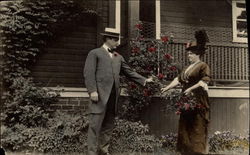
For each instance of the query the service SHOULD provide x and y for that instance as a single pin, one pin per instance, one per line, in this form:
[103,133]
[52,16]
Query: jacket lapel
[105,53]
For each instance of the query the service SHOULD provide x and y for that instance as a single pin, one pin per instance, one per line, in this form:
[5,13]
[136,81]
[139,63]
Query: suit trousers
[101,126]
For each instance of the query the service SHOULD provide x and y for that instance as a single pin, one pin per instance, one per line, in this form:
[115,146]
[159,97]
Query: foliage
[27,104]
[224,141]
[63,133]
[27,25]
[148,58]
[68,133]
[169,141]
[180,102]
[132,137]
[227,140]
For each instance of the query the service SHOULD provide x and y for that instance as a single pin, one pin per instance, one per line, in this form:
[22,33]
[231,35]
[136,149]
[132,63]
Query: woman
[193,125]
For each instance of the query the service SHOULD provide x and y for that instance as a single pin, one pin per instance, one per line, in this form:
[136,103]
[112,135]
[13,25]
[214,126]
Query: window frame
[234,20]
[117,28]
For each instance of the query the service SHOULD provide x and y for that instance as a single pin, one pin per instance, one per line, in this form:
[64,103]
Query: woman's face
[192,57]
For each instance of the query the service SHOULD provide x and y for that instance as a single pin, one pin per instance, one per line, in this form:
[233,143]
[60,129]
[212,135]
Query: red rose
[148,68]
[167,56]
[146,92]
[133,86]
[187,106]
[161,76]
[140,38]
[199,106]
[178,103]
[164,39]
[139,26]
[135,50]
[172,68]
[151,49]
[177,112]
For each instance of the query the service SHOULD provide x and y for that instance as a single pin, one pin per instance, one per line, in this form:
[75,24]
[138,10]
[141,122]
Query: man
[102,72]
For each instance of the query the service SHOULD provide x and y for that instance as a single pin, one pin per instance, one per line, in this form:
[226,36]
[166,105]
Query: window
[239,21]
[114,16]
[112,13]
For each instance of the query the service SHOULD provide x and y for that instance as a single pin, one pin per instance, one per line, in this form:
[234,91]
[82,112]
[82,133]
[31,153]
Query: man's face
[113,42]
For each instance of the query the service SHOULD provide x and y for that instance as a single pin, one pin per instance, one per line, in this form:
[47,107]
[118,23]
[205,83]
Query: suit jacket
[101,72]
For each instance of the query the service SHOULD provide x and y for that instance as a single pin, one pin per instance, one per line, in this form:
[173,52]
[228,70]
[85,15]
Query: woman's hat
[199,46]
[111,34]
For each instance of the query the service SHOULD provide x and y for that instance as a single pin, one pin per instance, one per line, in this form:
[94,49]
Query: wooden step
[64,82]
[53,69]
[53,63]
[65,57]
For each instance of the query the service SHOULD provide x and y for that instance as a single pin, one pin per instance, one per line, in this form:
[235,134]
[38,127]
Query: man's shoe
[2,152]
[103,152]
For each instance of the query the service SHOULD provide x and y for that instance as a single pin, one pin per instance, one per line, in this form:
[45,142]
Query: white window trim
[158,19]
[117,28]
[235,38]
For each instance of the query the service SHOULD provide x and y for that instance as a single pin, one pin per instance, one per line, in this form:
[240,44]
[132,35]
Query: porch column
[158,19]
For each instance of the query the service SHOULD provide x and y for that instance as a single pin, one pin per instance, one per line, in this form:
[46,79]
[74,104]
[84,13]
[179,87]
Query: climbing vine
[26,27]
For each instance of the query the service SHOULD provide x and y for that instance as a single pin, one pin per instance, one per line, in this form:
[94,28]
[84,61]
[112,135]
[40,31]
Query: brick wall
[71,104]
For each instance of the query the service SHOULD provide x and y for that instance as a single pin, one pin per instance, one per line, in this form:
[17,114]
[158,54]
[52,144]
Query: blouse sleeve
[205,73]
[179,78]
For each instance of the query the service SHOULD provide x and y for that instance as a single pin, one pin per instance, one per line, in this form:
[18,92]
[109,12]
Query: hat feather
[201,38]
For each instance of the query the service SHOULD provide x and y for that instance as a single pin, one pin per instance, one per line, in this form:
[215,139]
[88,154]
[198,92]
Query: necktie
[111,50]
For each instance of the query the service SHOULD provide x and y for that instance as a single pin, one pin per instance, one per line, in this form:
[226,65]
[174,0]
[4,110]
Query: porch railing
[227,63]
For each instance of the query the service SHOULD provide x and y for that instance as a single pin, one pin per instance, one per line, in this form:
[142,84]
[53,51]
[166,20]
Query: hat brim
[111,35]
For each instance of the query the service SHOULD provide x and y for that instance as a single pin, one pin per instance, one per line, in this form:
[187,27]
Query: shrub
[27,104]
[132,137]
[218,142]
[149,57]
[169,141]
[227,140]
[63,133]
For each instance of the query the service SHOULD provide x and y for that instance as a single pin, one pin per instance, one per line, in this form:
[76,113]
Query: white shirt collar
[105,47]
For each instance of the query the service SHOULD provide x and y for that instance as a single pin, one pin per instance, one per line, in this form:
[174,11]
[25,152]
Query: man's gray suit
[102,74]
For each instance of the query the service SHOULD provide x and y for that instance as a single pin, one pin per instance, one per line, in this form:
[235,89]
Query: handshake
[94,95]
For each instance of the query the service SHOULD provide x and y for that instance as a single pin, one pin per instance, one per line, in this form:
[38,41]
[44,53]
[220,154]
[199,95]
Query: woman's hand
[164,89]
[188,91]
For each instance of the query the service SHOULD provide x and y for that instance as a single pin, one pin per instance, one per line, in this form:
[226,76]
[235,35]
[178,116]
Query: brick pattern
[71,104]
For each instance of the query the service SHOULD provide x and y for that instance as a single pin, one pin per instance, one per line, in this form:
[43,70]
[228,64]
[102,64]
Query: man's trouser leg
[95,123]
[108,122]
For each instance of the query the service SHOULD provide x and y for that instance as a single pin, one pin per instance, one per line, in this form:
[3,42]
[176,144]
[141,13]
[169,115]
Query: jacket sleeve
[132,75]
[90,71]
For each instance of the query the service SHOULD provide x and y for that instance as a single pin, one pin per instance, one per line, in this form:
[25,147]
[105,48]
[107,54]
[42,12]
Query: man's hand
[148,80]
[163,90]
[94,96]
[188,91]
